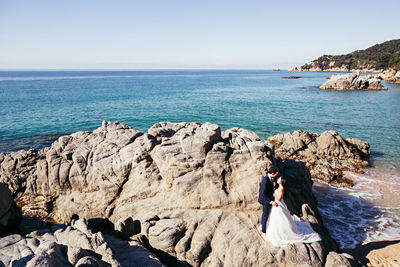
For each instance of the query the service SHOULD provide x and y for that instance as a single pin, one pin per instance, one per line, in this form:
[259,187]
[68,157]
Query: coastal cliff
[181,194]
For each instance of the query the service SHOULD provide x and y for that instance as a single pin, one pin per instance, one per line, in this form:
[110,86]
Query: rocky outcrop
[342,68]
[353,81]
[315,67]
[16,167]
[189,189]
[291,77]
[10,214]
[73,245]
[326,155]
[343,260]
[391,75]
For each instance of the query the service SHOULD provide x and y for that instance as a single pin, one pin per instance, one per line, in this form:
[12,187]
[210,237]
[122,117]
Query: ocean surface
[39,106]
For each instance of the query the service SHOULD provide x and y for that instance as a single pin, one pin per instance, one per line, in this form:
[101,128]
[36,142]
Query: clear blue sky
[44,34]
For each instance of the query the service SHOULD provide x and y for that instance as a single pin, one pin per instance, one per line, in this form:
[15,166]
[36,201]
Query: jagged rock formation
[192,188]
[73,245]
[16,167]
[326,155]
[353,81]
[391,76]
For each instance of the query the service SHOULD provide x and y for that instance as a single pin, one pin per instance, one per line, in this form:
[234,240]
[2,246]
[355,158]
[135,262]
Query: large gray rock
[391,75]
[73,245]
[193,188]
[16,167]
[326,155]
[354,81]
[340,260]
[127,227]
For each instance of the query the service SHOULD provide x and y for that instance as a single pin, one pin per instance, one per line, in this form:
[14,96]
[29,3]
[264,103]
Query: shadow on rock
[166,258]
[361,251]
[124,228]
[30,224]
[10,213]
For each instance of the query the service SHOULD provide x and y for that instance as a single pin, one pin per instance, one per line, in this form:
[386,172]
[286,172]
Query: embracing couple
[278,226]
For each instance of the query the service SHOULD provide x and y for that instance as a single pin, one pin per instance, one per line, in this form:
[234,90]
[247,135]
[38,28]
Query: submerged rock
[354,81]
[189,188]
[291,77]
[326,155]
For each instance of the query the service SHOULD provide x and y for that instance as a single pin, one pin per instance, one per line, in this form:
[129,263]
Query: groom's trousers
[264,217]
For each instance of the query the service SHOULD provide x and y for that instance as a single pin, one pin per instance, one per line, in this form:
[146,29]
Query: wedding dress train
[284,229]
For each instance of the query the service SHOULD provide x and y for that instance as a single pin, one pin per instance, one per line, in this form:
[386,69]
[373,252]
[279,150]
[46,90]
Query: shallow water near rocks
[369,211]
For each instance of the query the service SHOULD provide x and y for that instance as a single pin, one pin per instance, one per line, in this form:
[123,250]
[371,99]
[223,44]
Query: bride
[283,228]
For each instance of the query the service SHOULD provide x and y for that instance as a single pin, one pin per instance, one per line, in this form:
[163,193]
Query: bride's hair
[284,184]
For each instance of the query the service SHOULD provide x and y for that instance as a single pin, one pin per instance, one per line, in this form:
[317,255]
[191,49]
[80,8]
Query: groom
[266,195]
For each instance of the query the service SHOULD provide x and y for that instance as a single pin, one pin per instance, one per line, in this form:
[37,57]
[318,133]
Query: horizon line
[137,69]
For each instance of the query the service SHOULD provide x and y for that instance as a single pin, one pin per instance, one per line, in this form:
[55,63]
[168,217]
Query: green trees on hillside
[380,56]
[395,61]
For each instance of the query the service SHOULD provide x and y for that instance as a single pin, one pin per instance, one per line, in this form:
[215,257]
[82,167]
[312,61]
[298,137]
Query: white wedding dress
[284,229]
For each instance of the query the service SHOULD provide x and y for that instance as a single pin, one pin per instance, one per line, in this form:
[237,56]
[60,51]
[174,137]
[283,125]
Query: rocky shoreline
[383,59]
[181,194]
[389,75]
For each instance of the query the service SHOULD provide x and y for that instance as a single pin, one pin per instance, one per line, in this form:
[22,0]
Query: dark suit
[265,196]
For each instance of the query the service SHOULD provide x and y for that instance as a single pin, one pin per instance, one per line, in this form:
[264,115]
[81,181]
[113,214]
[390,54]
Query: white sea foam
[369,211]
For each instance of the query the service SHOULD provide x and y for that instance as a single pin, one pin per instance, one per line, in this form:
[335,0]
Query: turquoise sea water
[37,106]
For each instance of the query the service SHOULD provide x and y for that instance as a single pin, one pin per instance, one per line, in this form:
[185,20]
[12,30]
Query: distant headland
[381,58]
